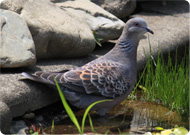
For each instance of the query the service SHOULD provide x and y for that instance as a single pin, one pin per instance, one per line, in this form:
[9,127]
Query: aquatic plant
[165,80]
[167,83]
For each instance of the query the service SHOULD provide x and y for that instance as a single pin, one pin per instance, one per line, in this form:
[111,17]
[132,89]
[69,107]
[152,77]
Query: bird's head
[133,31]
[136,27]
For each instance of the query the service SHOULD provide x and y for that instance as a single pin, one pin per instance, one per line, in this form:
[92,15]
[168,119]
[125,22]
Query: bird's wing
[107,79]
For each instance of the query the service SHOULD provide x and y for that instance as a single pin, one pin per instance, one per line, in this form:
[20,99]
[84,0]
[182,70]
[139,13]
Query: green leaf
[35,133]
[180,131]
[159,128]
[97,39]
[67,108]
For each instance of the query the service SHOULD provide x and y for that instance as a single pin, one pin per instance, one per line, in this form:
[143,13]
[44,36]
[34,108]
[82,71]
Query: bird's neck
[127,45]
[125,49]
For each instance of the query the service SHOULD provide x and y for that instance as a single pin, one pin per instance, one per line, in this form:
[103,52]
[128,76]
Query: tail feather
[38,78]
[48,78]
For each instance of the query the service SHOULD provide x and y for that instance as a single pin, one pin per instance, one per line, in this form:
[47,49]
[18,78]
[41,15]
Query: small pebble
[28,116]
[18,127]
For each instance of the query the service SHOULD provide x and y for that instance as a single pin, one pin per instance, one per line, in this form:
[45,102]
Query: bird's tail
[37,78]
[44,77]
[48,78]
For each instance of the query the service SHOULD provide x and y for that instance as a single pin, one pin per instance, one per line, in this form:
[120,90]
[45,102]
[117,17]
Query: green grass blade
[52,126]
[107,132]
[91,124]
[67,108]
[97,42]
[119,131]
[88,109]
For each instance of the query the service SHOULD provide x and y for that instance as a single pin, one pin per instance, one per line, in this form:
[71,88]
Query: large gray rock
[56,33]
[13,5]
[106,25]
[119,8]
[16,45]
[5,117]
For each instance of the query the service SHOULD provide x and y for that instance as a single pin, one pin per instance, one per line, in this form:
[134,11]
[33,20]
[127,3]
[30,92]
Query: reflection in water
[148,115]
[135,117]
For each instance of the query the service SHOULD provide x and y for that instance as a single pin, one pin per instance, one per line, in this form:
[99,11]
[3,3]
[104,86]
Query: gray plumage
[111,76]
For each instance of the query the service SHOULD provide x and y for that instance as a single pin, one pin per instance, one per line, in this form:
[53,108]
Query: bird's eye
[136,24]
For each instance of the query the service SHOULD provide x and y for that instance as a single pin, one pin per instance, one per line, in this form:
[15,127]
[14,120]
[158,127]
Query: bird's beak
[149,30]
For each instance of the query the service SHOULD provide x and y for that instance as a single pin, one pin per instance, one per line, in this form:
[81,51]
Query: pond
[135,117]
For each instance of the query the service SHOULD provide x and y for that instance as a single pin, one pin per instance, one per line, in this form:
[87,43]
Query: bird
[111,76]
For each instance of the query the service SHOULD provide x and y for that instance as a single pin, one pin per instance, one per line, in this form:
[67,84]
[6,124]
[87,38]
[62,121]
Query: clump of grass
[72,115]
[167,82]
